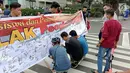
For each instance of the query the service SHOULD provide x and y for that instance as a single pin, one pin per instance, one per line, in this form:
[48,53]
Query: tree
[89,2]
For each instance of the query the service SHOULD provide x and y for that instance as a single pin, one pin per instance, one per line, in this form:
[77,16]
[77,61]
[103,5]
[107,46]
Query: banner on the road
[25,41]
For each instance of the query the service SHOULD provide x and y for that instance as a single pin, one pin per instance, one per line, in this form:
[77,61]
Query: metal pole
[88,3]
[30,3]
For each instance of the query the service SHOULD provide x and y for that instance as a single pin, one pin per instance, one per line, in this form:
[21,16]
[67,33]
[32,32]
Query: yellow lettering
[29,33]
[41,19]
[1,27]
[15,24]
[5,26]
[1,45]
[4,44]
[20,23]
[32,22]
[36,21]
[16,36]
[8,26]
[28,22]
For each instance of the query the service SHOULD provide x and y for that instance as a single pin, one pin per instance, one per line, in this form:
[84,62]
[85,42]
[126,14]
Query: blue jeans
[101,53]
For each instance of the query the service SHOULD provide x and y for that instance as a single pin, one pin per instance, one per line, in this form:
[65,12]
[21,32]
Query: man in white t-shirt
[106,7]
[1,12]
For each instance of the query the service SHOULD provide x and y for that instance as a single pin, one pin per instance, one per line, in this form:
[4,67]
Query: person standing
[54,8]
[82,41]
[109,40]
[84,12]
[59,55]
[106,7]
[126,14]
[6,11]
[74,49]
[1,12]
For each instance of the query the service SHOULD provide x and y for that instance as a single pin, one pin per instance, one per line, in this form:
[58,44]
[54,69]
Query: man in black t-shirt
[84,12]
[54,8]
[73,47]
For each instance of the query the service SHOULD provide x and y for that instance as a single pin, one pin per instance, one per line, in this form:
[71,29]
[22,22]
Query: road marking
[117,50]
[125,40]
[29,71]
[95,42]
[92,65]
[125,28]
[89,35]
[92,38]
[114,62]
[49,61]
[75,71]
[115,55]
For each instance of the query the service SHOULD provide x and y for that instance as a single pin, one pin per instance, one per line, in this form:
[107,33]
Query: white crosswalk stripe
[29,71]
[117,50]
[120,63]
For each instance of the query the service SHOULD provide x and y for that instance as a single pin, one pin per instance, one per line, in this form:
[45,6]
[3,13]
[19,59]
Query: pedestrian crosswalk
[121,61]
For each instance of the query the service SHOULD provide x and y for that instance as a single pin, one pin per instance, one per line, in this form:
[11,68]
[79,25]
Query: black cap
[55,40]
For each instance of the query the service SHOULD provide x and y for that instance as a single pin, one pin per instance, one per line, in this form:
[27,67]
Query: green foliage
[97,10]
[31,12]
[72,8]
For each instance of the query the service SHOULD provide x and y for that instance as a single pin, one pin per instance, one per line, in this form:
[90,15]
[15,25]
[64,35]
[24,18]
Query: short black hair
[80,9]
[64,34]
[55,5]
[7,6]
[84,6]
[73,33]
[109,5]
[110,12]
[15,5]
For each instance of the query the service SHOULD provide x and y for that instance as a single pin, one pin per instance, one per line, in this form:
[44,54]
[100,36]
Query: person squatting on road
[81,39]
[74,49]
[59,55]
